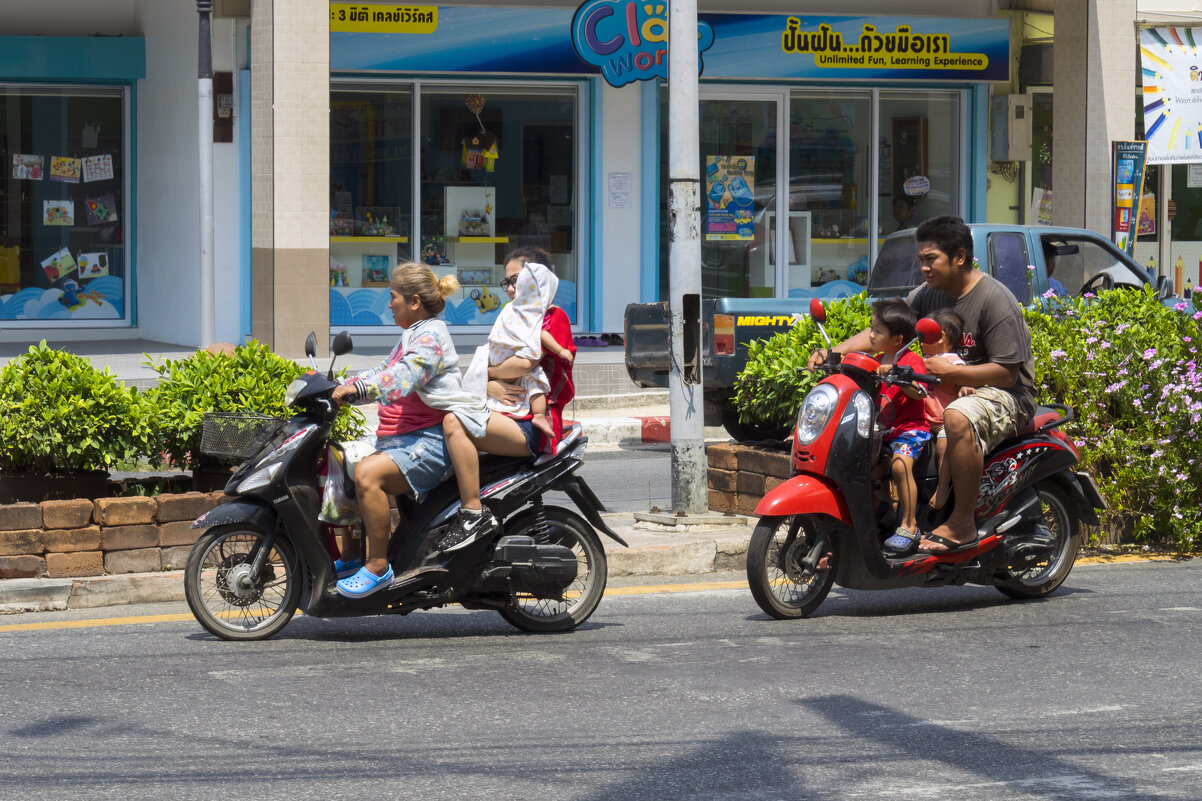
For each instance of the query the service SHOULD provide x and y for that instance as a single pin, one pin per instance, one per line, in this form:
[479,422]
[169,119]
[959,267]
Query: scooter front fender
[239,511]
[804,494]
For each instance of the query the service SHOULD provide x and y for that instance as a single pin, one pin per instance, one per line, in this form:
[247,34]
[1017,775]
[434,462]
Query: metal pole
[689,494]
[205,106]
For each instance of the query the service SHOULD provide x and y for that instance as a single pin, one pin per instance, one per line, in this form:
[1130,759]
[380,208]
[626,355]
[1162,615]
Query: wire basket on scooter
[227,435]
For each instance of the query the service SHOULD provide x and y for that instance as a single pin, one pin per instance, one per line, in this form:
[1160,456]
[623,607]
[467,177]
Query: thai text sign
[1128,186]
[372,18]
[1172,94]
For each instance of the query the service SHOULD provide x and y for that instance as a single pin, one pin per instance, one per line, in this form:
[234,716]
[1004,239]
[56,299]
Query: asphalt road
[683,694]
[630,479]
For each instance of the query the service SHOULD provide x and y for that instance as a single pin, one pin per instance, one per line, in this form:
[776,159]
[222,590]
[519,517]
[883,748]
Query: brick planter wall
[63,539]
[739,475]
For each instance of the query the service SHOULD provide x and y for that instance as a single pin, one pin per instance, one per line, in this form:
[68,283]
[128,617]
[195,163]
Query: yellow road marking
[641,589]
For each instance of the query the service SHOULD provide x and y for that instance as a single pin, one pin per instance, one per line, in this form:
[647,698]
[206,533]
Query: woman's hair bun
[448,285]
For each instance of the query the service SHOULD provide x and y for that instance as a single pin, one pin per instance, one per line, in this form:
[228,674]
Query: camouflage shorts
[993,414]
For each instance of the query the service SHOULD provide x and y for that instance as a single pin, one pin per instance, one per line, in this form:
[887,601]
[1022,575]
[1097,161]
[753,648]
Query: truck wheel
[747,432]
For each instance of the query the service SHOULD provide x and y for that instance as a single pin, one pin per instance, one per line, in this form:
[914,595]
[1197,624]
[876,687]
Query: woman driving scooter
[416,386]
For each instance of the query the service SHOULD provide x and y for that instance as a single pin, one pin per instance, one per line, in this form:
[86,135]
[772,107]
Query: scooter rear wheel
[580,599]
[222,594]
[790,565]
[1042,578]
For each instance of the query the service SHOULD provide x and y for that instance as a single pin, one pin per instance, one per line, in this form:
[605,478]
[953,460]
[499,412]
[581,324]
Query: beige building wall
[290,163]
[1093,105]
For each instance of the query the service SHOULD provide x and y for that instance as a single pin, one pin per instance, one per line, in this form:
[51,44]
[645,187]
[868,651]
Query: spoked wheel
[1043,577]
[790,565]
[580,599]
[223,595]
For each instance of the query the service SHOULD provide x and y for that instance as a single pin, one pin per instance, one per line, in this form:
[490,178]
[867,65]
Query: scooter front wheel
[223,595]
[790,565]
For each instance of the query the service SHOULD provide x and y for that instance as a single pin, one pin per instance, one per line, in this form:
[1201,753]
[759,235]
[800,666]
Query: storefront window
[498,171]
[371,199]
[919,157]
[829,190]
[62,204]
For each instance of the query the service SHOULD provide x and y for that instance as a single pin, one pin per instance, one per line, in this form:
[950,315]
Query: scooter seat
[571,433]
[491,463]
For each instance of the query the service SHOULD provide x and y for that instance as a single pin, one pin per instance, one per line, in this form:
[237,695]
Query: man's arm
[1002,376]
[860,341]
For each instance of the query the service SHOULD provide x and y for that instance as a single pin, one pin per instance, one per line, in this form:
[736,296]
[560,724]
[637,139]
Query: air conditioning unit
[1010,128]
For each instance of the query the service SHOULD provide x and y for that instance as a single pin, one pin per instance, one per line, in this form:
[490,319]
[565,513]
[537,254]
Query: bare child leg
[945,475]
[907,493]
[538,416]
[465,459]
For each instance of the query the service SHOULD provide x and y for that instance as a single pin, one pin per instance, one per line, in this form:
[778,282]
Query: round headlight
[293,390]
[815,413]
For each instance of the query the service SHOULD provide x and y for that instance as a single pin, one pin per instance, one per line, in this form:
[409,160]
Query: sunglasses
[511,281]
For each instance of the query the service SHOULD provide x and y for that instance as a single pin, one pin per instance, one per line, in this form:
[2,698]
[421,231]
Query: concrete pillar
[1093,105]
[290,162]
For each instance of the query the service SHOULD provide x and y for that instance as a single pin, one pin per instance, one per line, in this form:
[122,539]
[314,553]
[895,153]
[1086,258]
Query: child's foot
[541,422]
[940,497]
[901,543]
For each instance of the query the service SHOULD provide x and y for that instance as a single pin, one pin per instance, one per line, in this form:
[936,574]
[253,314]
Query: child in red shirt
[902,413]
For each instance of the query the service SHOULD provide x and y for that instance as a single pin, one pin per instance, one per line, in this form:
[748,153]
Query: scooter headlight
[863,406]
[293,390]
[260,478]
[815,413]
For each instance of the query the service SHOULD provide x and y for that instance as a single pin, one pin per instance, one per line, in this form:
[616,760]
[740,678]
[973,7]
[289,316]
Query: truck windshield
[896,270]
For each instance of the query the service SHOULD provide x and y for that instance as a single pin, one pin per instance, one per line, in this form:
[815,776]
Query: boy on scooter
[892,327]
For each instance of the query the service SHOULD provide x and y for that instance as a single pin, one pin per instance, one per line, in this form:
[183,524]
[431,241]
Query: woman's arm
[551,345]
[423,359]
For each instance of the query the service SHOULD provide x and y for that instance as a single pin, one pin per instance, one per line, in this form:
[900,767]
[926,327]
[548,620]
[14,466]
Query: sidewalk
[655,550]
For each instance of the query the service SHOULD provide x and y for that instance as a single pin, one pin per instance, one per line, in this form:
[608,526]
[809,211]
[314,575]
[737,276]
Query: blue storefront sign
[622,40]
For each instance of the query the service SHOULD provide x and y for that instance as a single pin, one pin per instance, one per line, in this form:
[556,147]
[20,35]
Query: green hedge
[252,379]
[1126,364]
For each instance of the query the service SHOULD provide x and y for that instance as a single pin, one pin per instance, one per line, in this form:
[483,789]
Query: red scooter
[821,527]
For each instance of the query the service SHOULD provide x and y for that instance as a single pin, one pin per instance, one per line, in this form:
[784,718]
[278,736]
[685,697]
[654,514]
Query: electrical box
[1010,128]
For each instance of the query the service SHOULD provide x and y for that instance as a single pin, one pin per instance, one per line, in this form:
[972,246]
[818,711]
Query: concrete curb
[638,430]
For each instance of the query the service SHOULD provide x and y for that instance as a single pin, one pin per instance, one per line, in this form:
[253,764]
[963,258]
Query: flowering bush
[1129,368]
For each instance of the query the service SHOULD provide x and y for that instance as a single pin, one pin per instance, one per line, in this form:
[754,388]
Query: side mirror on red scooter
[929,331]
[817,311]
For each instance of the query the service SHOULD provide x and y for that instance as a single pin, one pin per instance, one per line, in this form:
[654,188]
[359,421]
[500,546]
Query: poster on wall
[58,264]
[64,169]
[98,168]
[1147,216]
[1128,188]
[27,167]
[1172,95]
[101,209]
[729,198]
[58,212]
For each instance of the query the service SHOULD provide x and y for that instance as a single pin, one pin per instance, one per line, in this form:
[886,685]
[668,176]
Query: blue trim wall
[649,193]
[244,203]
[977,163]
[78,59]
[595,298]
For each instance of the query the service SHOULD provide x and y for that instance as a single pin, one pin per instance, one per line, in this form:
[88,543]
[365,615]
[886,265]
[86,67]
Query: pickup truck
[1032,261]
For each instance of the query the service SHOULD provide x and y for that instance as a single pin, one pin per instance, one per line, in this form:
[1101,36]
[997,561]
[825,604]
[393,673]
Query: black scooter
[266,553]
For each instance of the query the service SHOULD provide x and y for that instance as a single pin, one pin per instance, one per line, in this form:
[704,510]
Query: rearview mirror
[311,345]
[817,311]
[342,344]
[929,331]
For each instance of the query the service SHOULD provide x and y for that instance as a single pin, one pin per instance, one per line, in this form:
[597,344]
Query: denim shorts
[534,438]
[421,457]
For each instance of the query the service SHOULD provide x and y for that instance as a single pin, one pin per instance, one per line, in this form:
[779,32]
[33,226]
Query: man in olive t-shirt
[999,367]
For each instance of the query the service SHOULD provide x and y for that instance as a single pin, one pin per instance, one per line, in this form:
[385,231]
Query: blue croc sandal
[364,583]
[902,542]
[345,569]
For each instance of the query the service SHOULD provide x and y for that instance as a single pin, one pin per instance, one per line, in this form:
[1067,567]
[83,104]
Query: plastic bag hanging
[338,508]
